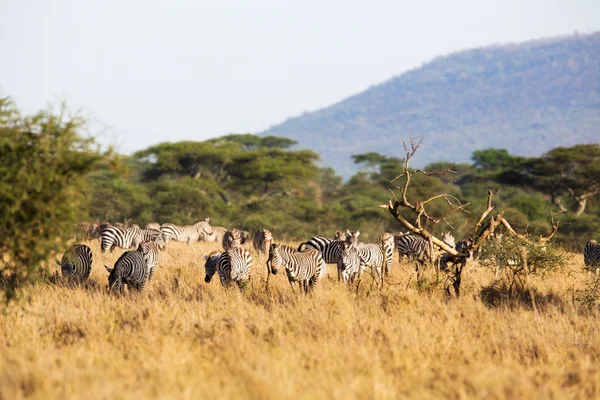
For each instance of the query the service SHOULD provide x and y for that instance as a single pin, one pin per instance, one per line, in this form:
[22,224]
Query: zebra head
[115,284]
[66,267]
[352,237]
[274,262]
[210,266]
[348,257]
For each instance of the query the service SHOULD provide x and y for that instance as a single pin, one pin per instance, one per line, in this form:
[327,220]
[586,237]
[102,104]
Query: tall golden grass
[183,338]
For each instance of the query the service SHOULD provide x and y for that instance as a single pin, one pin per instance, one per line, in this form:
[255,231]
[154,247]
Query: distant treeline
[250,182]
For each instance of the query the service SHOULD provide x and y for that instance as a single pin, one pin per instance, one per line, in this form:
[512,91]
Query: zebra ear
[110,270]
[206,257]
[357,233]
[58,262]
[348,232]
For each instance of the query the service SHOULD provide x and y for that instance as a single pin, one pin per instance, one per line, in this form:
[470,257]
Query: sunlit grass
[183,338]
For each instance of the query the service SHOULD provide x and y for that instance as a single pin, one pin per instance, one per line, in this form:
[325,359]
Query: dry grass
[183,338]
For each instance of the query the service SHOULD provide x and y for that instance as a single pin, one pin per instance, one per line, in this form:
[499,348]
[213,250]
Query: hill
[527,98]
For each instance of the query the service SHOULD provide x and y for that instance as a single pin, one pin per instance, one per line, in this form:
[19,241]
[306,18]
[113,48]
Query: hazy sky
[184,69]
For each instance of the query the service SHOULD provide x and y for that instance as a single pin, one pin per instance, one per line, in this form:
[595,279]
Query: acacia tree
[572,172]
[42,186]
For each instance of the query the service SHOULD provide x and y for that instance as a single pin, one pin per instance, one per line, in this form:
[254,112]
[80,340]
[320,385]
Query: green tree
[573,172]
[43,189]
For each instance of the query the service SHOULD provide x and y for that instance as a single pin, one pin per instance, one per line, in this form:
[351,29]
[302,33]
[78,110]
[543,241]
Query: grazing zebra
[130,269]
[119,236]
[76,263]
[411,245]
[185,233]
[349,264]
[149,250]
[303,267]
[591,254]
[262,242]
[234,265]
[232,239]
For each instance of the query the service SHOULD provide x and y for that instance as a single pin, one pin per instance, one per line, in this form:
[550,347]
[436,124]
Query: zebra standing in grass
[303,267]
[130,269]
[349,264]
[262,242]
[150,251]
[76,263]
[372,256]
[591,255]
[119,236]
[186,233]
[233,265]
[232,239]
[387,241]
[411,245]
[330,250]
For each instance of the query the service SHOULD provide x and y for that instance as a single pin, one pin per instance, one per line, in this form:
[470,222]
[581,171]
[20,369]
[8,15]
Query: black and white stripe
[130,269]
[149,250]
[349,264]
[591,254]
[330,249]
[76,263]
[186,233]
[232,239]
[303,267]
[262,242]
[411,245]
[371,256]
[387,240]
[233,265]
[114,236]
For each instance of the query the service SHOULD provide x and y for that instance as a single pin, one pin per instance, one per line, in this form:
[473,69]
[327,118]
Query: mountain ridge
[526,97]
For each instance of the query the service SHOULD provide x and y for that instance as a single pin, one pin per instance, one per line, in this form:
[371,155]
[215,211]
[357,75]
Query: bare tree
[455,256]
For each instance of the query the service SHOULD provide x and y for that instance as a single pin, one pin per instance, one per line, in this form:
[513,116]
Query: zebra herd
[304,265]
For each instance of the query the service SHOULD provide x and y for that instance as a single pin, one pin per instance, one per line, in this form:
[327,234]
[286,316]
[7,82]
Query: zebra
[128,237]
[372,256]
[186,233]
[330,250]
[149,235]
[411,245]
[303,267]
[591,255]
[387,241]
[233,265]
[130,269]
[76,263]
[119,236]
[232,239]
[262,242]
[349,264]
[149,250]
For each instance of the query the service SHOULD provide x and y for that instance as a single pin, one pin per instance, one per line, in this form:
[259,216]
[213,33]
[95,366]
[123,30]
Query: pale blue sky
[182,69]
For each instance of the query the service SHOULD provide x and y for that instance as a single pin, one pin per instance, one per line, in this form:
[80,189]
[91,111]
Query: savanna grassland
[184,338]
